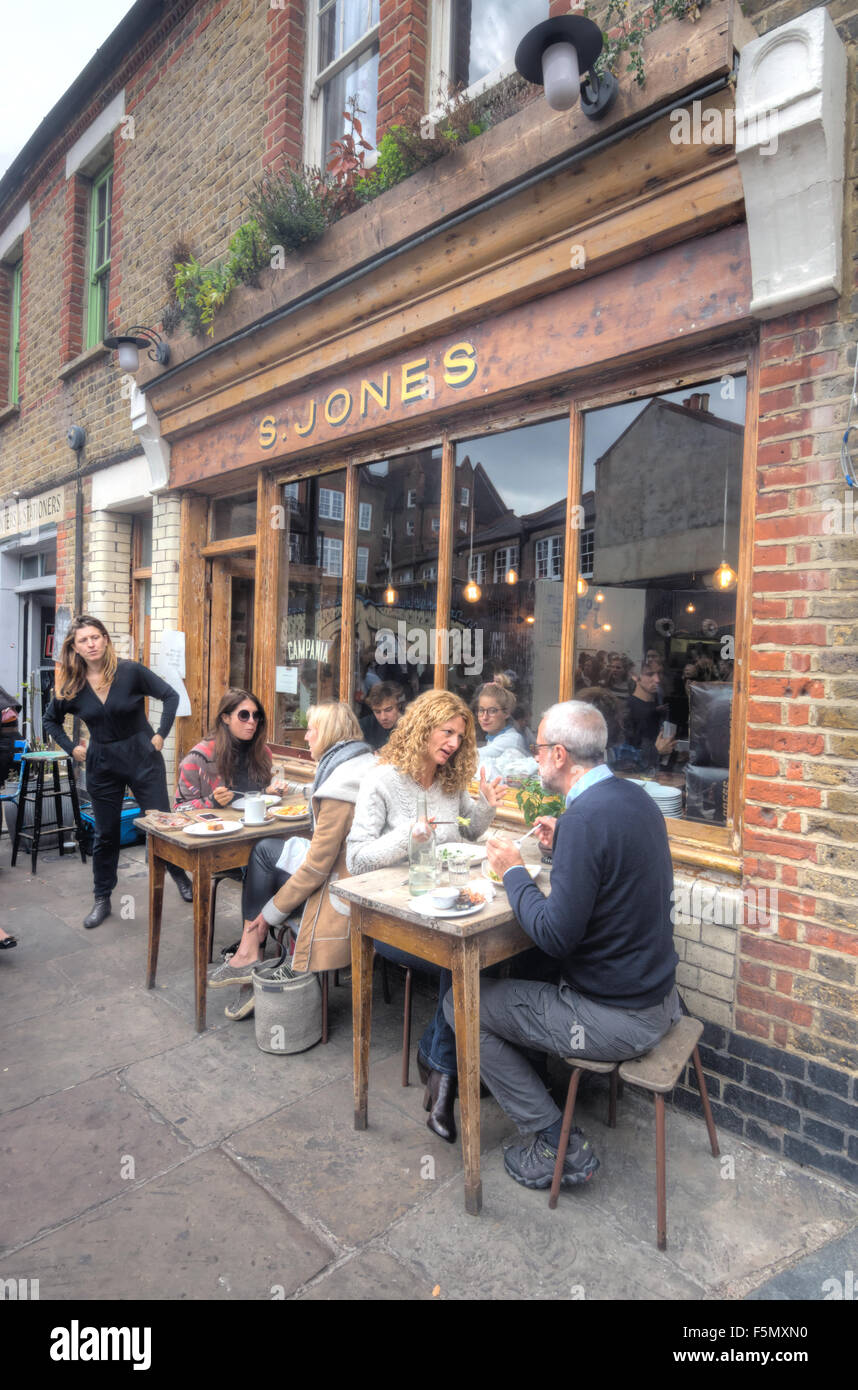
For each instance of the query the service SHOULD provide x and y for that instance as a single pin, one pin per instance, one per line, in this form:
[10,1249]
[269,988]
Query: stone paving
[142,1160]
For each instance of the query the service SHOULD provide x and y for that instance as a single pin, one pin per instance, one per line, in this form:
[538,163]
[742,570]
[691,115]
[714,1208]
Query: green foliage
[248,252]
[292,208]
[201,292]
[187,283]
[533,801]
[625,33]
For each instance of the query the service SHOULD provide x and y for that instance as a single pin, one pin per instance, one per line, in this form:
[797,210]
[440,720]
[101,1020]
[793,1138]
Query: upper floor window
[411,500]
[505,559]
[329,555]
[436,525]
[474,41]
[365,516]
[549,558]
[290,496]
[477,569]
[429,572]
[15,333]
[465,496]
[331,504]
[100,225]
[587,538]
[409,528]
[362,563]
[343,67]
[463,525]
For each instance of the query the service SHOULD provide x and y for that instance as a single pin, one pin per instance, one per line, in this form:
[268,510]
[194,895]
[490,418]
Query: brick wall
[107,585]
[403,56]
[166,553]
[284,85]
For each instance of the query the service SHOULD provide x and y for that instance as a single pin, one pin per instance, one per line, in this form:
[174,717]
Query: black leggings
[262,877]
[110,768]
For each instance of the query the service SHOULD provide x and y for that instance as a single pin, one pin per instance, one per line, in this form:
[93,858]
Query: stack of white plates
[668,799]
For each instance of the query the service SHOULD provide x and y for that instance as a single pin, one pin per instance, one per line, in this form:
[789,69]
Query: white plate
[477,852]
[427,910]
[533,869]
[242,802]
[200,828]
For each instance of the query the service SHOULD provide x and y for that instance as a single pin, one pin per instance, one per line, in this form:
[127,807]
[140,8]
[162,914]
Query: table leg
[466,1007]
[156,903]
[202,904]
[362,953]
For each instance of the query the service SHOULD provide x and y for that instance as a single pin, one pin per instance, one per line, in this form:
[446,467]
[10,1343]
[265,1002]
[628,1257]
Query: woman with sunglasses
[109,696]
[231,759]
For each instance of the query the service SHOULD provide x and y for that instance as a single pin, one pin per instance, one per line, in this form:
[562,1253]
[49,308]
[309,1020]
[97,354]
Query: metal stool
[657,1072]
[34,765]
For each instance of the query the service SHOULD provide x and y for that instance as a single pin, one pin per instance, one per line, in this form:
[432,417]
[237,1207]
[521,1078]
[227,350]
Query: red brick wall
[284,85]
[403,55]
[73,303]
[5,331]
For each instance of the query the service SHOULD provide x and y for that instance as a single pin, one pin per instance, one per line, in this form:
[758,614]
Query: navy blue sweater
[607,917]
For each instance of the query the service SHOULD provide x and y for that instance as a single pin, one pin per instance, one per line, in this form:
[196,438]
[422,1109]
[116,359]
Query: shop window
[474,41]
[362,563]
[15,334]
[331,504]
[310,598]
[100,230]
[549,557]
[656,627]
[365,516]
[232,517]
[29,567]
[343,44]
[515,628]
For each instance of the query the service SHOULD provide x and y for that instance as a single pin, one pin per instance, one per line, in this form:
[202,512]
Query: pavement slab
[45,934]
[27,993]
[373,1275]
[204,1230]
[830,1273]
[108,1142]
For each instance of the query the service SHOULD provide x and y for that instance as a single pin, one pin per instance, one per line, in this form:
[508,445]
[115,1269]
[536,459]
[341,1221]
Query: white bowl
[443,898]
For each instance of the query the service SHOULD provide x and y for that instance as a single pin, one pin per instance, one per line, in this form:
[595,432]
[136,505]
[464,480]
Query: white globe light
[560,76]
[129,357]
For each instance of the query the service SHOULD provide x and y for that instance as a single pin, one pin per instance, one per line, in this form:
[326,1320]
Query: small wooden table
[381,911]
[201,858]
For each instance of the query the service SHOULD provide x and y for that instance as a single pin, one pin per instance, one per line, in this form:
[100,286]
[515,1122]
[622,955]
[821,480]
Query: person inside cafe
[432,750]
[231,760]
[108,696]
[494,704]
[284,875]
[386,701]
[644,716]
[608,988]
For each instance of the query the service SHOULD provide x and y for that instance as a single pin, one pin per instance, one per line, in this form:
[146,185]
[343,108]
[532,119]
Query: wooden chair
[658,1072]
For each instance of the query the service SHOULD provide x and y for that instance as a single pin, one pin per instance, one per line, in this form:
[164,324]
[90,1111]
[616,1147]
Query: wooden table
[201,858]
[381,911]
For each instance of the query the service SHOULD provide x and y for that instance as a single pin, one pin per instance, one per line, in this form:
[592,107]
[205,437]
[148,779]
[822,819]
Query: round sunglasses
[246,714]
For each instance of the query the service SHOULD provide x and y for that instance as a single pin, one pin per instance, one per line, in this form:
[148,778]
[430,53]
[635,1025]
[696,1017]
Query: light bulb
[390,596]
[472,592]
[512,576]
[724,577]
[560,76]
[690,608]
[583,586]
[607,627]
[530,618]
[129,357]
[599,597]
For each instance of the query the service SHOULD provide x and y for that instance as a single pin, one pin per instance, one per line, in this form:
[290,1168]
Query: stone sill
[93,354]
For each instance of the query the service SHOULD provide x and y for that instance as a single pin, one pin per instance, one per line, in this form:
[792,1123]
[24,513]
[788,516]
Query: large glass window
[477,39]
[310,599]
[517,485]
[232,517]
[655,636]
[397,588]
[345,70]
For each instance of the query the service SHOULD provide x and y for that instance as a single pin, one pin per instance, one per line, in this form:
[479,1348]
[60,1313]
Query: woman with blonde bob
[283,875]
[108,694]
[433,750]
[494,703]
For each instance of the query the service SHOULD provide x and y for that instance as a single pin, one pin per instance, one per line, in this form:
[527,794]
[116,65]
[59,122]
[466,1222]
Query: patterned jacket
[198,777]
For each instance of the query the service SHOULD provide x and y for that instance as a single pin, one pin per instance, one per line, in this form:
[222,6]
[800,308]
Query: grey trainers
[242,1004]
[227,975]
[533,1164]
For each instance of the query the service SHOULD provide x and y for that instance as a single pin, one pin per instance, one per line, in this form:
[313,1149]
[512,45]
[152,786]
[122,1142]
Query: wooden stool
[34,765]
[580,1065]
[657,1072]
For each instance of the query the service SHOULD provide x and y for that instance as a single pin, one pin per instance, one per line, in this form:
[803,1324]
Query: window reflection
[510,490]
[655,634]
[486,33]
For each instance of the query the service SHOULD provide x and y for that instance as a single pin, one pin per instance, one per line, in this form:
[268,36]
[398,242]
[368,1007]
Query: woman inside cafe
[433,750]
[284,875]
[494,705]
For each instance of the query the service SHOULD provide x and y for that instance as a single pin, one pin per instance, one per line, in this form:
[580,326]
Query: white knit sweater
[386,809]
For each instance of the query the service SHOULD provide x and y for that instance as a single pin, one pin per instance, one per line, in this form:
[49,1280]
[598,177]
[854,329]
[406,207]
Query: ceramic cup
[254,810]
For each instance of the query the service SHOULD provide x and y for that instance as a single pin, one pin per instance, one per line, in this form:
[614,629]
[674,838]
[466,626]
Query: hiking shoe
[242,1004]
[533,1164]
[227,975]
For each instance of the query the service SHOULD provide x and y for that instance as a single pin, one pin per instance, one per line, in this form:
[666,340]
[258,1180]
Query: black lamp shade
[583,34]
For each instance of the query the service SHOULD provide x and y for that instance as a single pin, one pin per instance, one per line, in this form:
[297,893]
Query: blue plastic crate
[129,834]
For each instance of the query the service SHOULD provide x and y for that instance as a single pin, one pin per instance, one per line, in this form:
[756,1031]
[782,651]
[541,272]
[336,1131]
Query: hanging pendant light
[472,593]
[724,577]
[390,594]
[690,608]
[583,586]
[599,596]
[512,576]
[607,627]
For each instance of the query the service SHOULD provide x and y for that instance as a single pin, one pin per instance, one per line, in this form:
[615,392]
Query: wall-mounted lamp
[555,53]
[130,343]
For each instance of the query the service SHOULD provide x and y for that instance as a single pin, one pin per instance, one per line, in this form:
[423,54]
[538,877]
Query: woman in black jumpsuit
[108,694]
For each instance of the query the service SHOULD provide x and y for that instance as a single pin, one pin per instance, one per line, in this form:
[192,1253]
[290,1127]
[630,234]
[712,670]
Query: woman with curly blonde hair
[432,750]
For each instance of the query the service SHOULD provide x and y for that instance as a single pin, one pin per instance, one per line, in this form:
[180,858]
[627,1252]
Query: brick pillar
[107,585]
[74,268]
[284,85]
[403,42]
[166,527]
[5,332]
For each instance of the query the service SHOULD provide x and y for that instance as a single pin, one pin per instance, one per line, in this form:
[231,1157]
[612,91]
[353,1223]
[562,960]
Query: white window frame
[548,556]
[429,572]
[387,531]
[587,564]
[365,510]
[465,497]
[441,39]
[332,515]
[409,528]
[314,105]
[362,565]
[411,498]
[478,566]
[510,562]
[328,563]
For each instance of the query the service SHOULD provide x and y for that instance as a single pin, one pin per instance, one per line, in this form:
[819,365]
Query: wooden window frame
[140,639]
[17,277]
[98,282]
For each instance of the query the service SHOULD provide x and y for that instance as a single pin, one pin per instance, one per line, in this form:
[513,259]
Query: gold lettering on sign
[267,432]
[343,415]
[414,380]
[460,364]
[380,395]
[304,430]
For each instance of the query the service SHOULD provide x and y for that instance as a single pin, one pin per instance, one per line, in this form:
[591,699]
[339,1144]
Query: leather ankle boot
[184,885]
[438,1099]
[100,910]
